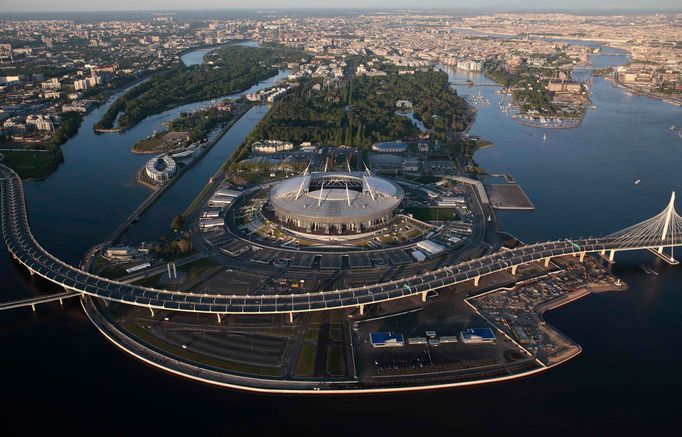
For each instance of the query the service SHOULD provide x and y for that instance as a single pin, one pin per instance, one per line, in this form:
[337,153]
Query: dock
[509,196]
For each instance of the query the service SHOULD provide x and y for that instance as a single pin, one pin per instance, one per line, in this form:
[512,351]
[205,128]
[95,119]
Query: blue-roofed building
[386,339]
[477,335]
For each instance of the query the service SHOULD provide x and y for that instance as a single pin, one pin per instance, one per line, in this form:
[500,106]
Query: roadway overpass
[33,301]
[655,234]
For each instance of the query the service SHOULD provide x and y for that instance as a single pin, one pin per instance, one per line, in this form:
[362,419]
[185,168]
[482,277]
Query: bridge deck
[31,301]
[21,244]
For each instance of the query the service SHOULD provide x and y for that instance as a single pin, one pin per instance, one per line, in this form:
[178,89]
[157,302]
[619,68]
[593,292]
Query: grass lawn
[31,164]
[312,333]
[152,281]
[195,357]
[336,332]
[336,366]
[197,268]
[433,214]
[150,145]
[259,177]
[305,366]
[119,269]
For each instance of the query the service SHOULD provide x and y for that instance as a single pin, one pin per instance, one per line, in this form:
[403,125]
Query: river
[196,57]
[93,190]
[60,372]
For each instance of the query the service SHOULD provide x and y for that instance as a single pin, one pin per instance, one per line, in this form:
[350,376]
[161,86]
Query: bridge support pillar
[424,296]
[476,280]
[547,261]
[172,272]
[582,256]
[151,310]
[362,309]
[662,255]
[514,267]
[612,253]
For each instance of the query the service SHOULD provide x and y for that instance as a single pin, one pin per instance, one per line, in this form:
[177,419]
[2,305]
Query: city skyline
[37,6]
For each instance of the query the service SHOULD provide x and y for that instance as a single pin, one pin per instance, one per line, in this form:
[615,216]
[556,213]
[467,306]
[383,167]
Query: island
[228,70]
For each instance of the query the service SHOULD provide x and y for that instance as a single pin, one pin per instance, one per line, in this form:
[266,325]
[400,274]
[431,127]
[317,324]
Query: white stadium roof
[341,196]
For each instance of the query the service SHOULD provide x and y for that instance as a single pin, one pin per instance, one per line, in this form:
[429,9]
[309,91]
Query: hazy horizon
[613,6]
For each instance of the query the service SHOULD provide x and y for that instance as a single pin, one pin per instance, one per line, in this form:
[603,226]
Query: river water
[60,372]
[94,190]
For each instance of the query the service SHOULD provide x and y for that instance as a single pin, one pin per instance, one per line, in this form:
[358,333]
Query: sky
[483,5]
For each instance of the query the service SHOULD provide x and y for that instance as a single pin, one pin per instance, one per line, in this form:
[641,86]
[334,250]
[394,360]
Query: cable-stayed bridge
[659,234]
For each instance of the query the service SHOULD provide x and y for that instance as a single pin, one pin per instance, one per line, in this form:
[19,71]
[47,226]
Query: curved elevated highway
[664,230]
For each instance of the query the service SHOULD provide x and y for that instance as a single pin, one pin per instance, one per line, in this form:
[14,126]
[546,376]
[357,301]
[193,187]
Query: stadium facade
[335,203]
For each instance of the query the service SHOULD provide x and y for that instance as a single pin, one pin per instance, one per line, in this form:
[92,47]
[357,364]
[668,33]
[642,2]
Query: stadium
[335,203]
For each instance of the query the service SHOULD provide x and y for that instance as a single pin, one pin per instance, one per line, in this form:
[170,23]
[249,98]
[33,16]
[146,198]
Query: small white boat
[638,181]
[544,137]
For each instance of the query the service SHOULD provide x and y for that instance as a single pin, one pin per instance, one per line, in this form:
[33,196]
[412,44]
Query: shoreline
[540,126]
[208,144]
[576,122]
[108,93]
[154,196]
[187,368]
[180,372]
[644,93]
[239,382]
[179,104]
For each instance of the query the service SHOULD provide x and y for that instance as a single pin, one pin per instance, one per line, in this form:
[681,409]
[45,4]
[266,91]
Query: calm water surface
[59,372]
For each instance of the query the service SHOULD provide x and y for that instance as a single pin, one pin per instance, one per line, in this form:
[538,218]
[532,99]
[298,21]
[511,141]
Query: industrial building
[430,247]
[386,339]
[223,198]
[211,224]
[477,335]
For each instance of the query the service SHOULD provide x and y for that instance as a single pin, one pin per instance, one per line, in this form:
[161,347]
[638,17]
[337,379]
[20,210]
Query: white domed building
[335,203]
[161,168]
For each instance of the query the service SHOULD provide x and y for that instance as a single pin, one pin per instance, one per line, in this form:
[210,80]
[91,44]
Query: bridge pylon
[669,226]
[664,230]
[668,215]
